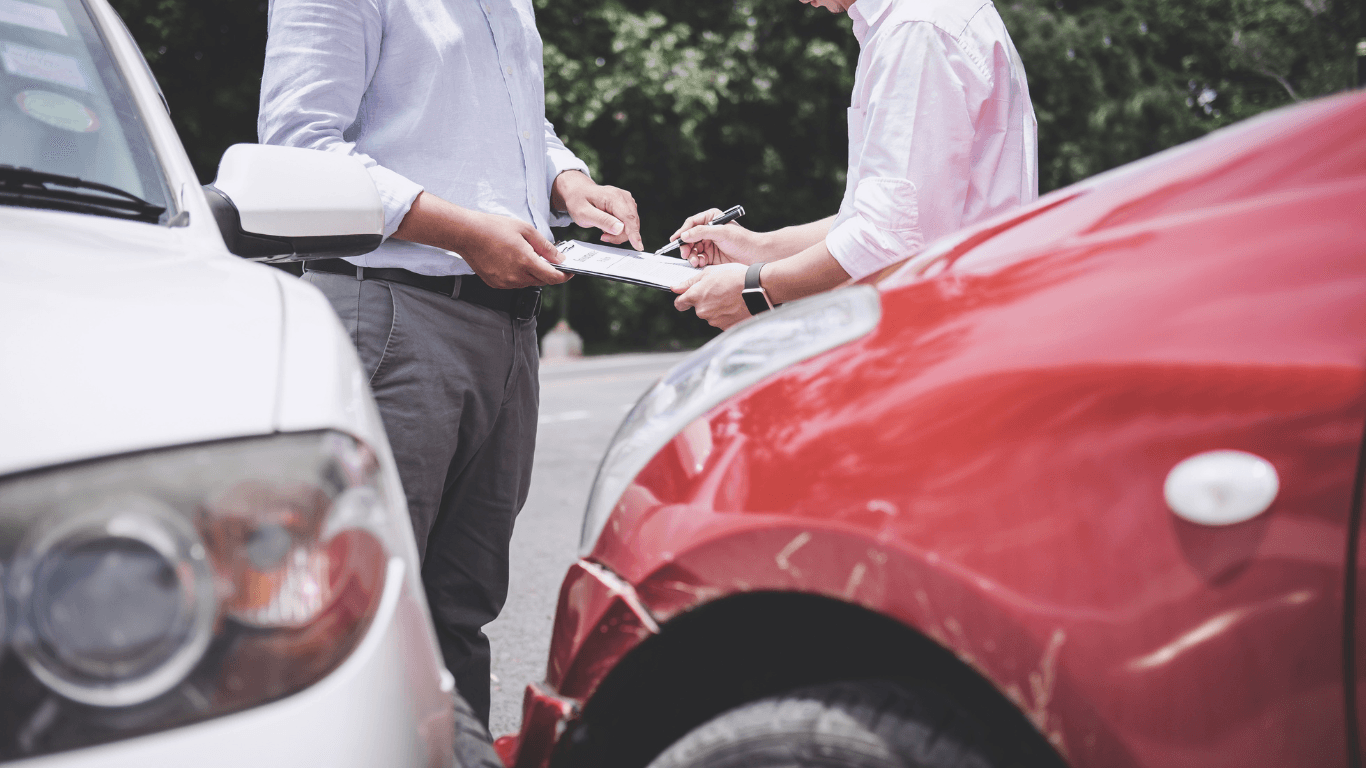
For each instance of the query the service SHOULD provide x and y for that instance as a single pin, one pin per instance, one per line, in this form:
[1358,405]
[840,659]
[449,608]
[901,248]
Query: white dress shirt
[442,95]
[941,130]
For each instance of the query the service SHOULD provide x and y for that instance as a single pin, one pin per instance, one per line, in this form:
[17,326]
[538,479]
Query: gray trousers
[458,390]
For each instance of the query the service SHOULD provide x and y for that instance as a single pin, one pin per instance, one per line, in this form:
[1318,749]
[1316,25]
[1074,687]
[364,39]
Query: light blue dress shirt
[442,95]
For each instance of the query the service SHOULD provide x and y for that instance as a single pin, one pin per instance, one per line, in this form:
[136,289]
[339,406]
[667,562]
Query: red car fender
[962,611]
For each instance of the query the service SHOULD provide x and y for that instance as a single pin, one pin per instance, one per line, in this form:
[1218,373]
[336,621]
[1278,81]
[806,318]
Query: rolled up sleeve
[320,57]
[914,166]
[558,159]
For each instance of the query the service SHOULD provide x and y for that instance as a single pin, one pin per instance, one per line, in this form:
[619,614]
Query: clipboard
[623,265]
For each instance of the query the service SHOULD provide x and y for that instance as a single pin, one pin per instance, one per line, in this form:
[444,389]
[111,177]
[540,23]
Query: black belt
[521,303]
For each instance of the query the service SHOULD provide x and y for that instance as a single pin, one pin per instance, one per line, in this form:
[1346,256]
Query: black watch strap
[756,298]
[752,276]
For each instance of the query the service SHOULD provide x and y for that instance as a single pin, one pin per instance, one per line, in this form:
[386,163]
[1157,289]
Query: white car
[205,554]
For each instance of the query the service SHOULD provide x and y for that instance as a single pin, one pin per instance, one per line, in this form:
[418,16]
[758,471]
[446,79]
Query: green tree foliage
[1116,81]
[690,106]
[718,102]
[207,57]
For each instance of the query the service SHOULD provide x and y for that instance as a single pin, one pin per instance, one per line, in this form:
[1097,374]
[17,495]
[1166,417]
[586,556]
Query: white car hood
[118,336]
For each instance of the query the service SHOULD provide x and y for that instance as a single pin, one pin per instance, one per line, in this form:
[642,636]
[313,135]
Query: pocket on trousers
[343,294]
[376,323]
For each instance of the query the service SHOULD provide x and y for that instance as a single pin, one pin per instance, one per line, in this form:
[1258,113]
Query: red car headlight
[739,358]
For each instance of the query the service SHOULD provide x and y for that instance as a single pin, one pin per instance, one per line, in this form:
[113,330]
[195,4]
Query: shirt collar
[866,14]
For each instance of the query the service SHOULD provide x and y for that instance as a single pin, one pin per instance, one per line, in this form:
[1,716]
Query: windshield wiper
[40,189]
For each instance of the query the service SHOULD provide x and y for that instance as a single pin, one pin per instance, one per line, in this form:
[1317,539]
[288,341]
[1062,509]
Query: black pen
[730,215]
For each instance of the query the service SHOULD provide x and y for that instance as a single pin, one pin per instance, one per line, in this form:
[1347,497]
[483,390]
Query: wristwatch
[756,298]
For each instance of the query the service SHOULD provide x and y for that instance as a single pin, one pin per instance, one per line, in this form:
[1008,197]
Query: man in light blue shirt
[443,100]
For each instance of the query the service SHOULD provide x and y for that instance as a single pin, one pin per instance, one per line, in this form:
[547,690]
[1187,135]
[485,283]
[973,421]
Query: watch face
[755,300]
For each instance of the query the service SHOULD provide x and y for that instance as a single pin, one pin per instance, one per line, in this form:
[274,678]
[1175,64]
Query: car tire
[473,744]
[871,724]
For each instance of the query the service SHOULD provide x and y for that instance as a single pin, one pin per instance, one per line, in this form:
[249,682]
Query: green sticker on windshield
[58,111]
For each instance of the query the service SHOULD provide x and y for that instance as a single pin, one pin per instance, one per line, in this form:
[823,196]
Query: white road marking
[555,418]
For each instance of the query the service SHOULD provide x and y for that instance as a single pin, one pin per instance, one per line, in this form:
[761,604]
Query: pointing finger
[590,216]
[623,206]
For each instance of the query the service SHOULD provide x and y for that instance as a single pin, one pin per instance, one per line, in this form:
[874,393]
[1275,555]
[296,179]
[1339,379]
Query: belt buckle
[527,304]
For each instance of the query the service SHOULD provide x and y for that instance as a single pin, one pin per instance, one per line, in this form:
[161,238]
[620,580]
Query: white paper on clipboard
[627,266]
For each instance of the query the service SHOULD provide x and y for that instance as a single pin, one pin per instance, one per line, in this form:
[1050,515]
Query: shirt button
[488,8]
[509,70]
[526,134]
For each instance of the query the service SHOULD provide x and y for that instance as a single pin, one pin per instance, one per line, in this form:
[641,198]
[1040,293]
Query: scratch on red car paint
[1041,683]
[960,641]
[883,506]
[931,624]
[623,590]
[786,552]
[855,579]
[1212,628]
[949,632]
[700,593]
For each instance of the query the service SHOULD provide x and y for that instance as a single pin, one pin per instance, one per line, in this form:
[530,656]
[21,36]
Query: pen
[730,215]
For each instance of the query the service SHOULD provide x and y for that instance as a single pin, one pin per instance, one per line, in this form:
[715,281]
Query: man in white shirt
[942,134]
[443,100]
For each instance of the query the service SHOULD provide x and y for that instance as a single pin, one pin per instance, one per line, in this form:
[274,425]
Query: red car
[1080,486]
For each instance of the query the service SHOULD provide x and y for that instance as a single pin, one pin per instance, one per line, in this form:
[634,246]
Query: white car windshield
[71,136]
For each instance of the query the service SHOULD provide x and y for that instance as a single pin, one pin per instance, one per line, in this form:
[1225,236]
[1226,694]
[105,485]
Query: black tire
[871,724]
[473,745]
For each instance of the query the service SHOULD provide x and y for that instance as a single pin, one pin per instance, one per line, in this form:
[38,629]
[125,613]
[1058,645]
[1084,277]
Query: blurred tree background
[718,102]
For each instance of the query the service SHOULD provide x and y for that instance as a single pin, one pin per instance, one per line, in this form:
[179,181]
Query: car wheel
[870,724]
[473,745]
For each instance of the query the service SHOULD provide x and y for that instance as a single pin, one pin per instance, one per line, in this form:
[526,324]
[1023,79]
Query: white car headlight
[726,365]
[160,588]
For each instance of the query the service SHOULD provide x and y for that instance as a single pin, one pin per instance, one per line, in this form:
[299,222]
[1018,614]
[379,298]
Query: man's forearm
[505,252]
[806,273]
[435,222]
[789,241]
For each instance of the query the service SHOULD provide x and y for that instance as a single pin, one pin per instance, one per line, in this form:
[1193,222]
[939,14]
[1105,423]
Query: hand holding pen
[702,240]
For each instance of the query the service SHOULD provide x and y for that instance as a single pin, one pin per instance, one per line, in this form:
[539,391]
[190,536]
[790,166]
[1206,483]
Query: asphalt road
[582,403]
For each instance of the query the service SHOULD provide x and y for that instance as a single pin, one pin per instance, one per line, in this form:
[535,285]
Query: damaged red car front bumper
[598,620]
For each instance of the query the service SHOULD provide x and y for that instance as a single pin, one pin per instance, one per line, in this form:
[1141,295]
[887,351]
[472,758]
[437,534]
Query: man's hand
[726,244]
[509,253]
[594,205]
[504,252]
[715,294]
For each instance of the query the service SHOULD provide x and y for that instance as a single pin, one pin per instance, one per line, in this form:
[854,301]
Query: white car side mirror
[286,203]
